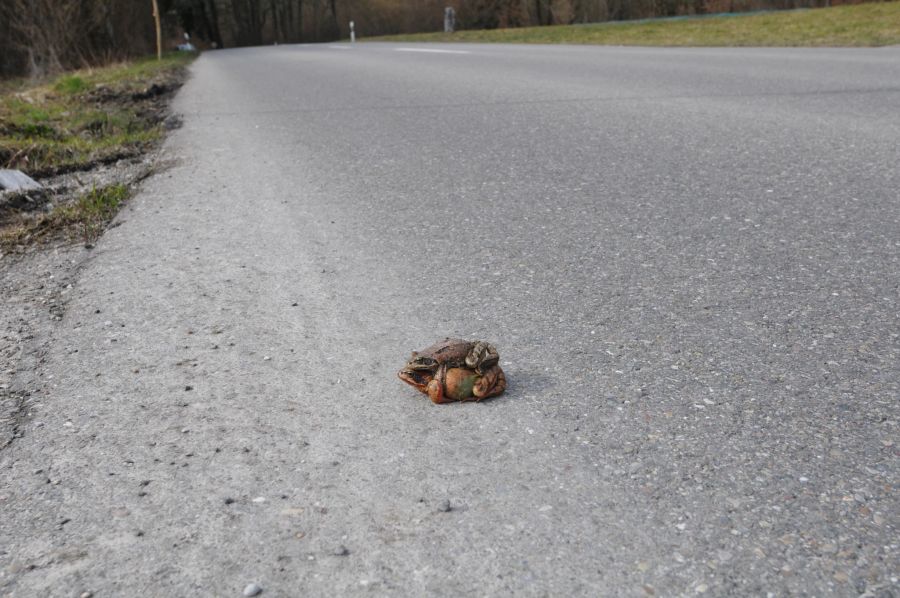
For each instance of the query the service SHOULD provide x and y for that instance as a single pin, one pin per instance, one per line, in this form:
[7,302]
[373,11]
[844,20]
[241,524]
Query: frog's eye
[423,362]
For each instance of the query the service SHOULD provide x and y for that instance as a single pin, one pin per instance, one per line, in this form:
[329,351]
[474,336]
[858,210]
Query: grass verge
[59,131]
[85,219]
[876,24]
[79,119]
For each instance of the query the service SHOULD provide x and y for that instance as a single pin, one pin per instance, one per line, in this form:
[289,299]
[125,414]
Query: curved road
[688,258]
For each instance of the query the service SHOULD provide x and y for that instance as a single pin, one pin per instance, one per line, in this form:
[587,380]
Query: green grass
[136,73]
[876,24]
[92,212]
[85,219]
[70,84]
[78,119]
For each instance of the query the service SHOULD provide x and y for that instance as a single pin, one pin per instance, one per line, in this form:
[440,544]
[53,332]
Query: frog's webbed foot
[482,356]
[491,384]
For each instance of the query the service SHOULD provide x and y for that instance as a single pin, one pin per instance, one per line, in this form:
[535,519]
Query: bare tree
[49,36]
[43,30]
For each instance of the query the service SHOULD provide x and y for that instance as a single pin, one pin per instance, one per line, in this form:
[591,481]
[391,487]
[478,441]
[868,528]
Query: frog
[454,370]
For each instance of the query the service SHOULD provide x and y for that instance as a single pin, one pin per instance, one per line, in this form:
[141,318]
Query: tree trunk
[276,22]
[299,20]
[213,19]
[334,17]
[158,30]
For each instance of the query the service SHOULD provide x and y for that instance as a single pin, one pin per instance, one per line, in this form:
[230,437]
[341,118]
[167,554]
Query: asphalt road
[688,259]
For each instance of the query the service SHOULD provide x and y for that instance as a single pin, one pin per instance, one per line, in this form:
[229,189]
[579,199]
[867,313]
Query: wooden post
[158,30]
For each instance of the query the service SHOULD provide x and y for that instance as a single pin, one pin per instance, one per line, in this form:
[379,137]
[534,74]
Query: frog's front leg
[491,384]
[435,388]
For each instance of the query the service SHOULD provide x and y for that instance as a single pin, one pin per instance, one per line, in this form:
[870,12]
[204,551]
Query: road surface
[689,260]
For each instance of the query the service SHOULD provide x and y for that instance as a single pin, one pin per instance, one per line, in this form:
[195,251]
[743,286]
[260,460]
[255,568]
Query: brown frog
[455,370]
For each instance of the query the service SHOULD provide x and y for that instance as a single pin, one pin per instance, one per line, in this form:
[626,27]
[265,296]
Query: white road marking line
[431,51]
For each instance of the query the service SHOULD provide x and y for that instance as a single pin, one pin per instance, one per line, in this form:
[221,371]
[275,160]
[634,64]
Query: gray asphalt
[689,261]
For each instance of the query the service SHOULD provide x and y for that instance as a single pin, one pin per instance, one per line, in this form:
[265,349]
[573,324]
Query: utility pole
[158,30]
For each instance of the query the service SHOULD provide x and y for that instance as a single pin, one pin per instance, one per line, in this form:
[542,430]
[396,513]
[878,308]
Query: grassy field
[876,24]
[85,117]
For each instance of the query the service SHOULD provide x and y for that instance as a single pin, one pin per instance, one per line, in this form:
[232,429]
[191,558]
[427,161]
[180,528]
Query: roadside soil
[41,254]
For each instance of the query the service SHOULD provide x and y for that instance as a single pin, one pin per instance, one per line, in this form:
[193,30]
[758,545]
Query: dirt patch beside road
[33,290]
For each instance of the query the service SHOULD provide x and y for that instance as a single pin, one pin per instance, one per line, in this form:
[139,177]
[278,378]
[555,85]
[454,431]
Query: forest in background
[41,37]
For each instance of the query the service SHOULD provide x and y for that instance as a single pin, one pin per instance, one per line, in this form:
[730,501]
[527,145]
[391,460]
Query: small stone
[229,500]
[173,121]
[252,589]
[341,551]
[87,594]
[16,180]
[444,506]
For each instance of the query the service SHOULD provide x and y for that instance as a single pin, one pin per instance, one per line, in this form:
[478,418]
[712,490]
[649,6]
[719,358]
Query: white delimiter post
[449,20]
[352,33]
